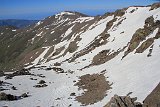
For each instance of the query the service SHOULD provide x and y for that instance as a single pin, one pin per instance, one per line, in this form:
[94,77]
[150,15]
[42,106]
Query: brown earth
[145,45]
[96,87]
[103,57]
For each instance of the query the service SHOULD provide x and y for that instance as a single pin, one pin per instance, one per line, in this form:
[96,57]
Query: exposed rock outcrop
[141,34]
[123,101]
[18,73]
[155,6]
[10,97]
[7,97]
[153,99]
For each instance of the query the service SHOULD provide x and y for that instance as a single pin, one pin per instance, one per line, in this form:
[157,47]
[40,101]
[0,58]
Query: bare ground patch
[95,87]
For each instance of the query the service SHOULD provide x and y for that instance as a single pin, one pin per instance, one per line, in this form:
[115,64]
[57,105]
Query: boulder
[41,82]
[24,95]
[7,97]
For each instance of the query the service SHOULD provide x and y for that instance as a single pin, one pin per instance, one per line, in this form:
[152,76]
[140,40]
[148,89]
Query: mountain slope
[79,56]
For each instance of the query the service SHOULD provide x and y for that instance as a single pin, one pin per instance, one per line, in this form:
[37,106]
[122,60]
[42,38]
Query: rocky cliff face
[119,49]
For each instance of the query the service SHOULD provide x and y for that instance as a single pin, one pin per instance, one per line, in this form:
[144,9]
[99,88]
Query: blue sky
[39,9]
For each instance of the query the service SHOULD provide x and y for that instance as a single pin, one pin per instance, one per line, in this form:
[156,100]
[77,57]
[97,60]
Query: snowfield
[135,73]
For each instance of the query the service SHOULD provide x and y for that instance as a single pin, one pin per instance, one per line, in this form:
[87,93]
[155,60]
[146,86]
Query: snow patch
[14,30]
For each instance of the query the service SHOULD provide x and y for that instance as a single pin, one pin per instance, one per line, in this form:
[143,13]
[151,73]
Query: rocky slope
[81,57]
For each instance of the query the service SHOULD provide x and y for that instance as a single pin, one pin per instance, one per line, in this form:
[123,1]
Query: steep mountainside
[72,59]
[17,22]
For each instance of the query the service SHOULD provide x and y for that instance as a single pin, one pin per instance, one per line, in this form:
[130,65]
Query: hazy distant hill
[17,22]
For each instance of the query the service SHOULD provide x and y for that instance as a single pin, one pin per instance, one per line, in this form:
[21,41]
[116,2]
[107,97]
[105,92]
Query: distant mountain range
[17,22]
